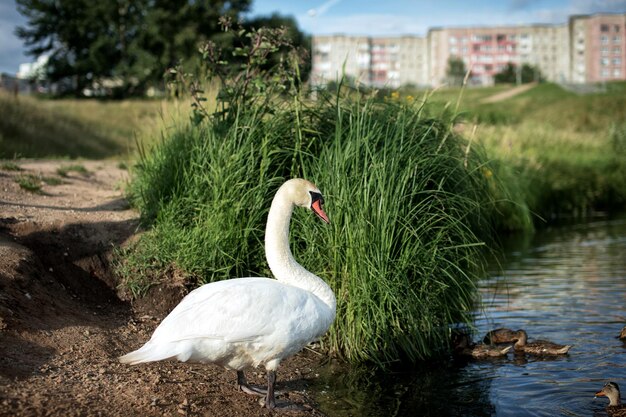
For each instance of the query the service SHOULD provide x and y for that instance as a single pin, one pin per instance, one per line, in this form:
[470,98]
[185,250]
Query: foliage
[245,74]
[455,70]
[121,48]
[296,38]
[63,170]
[527,73]
[33,183]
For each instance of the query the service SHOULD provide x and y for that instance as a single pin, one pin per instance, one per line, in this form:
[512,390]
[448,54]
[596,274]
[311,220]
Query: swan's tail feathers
[147,353]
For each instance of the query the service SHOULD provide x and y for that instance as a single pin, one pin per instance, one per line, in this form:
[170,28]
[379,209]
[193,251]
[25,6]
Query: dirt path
[63,322]
[509,93]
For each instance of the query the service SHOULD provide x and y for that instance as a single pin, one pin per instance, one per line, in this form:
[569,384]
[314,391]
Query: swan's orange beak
[317,209]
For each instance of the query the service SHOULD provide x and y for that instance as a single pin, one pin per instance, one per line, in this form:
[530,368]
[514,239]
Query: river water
[566,284]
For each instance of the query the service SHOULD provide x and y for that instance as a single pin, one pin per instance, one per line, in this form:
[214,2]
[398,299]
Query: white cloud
[321,10]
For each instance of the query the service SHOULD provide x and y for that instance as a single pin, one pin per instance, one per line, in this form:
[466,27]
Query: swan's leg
[270,399]
[242,384]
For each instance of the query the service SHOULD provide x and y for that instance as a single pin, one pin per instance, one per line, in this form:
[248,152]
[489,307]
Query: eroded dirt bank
[63,322]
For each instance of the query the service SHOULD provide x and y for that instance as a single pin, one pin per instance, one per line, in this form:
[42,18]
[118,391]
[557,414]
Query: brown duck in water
[615,407]
[501,335]
[538,347]
[622,334]
[463,346]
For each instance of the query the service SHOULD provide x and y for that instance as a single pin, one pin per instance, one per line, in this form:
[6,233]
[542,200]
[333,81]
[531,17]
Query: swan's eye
[316,197]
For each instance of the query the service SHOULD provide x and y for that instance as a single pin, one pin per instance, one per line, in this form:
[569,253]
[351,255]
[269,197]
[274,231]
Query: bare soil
[64,321]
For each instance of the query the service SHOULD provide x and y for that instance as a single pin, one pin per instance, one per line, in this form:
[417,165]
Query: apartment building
[379,62]
[598,48]
[587,49]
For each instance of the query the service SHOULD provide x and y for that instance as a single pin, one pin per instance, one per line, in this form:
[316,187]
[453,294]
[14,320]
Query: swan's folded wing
[233,310]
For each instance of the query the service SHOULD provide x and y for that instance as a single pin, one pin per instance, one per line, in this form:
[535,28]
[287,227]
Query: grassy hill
[561,153]
[69,128]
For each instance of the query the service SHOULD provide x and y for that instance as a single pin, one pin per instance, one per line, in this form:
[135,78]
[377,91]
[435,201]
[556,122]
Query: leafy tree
[296,39]
[456,70]
[509,74]
[133,41]
[248,73]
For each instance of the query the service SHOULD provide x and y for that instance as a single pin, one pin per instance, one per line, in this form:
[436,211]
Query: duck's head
[304,193]
[622,334]
[611,391]
[522,336]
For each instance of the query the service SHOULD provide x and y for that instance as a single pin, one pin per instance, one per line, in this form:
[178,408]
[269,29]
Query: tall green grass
[409,203]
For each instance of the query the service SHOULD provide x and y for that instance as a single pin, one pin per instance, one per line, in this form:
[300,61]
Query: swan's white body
[238,323]
[246,322]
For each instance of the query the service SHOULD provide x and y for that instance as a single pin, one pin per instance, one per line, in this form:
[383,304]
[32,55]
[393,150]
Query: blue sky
[369,17]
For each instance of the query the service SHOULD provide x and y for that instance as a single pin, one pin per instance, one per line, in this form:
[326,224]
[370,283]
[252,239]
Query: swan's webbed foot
[242,384]
[282,405]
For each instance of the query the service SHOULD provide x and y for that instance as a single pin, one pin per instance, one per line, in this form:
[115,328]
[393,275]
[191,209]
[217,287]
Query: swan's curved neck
[280,259]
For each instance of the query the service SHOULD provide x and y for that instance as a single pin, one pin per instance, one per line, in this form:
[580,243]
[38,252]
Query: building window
[617,28]
[617,72]
[604,39]
[604,73]
[604,62]
[453,40]
[617,50]
[605,50]
[617,39]
[604,28]
[617,61]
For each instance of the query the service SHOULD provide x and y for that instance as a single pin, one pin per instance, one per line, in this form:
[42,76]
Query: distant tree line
[130,44]
[511,74]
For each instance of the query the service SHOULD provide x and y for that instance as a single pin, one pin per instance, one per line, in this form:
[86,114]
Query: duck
[463,346]
[250,322]
[538,347]
[500,335]
[622,334]
[615,407]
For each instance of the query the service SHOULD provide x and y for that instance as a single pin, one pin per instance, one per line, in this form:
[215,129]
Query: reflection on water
[567,285]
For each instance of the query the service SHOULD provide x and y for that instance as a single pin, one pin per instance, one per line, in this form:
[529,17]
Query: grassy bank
[559,153]
[67,128]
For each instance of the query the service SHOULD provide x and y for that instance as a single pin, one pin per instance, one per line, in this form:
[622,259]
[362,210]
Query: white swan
[245,322]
